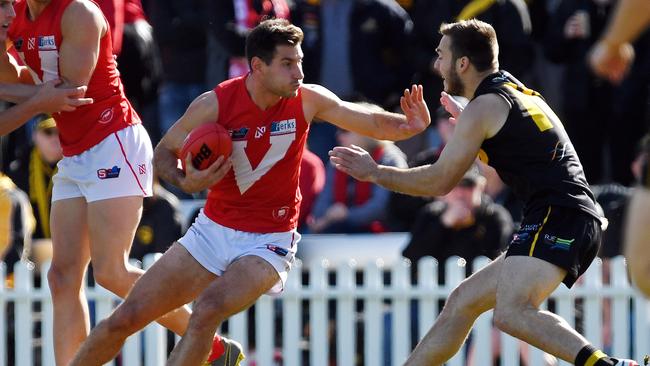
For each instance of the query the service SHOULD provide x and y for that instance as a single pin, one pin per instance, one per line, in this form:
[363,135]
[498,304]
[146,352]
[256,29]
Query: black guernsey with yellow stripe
[532,152]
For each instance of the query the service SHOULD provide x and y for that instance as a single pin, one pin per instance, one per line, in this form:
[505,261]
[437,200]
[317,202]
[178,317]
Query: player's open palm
[354,161]
[198,180]
[415,109]
[451,105]
[50,99]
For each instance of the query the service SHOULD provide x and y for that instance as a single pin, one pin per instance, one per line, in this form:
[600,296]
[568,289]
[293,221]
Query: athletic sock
[591,356]
[217,348]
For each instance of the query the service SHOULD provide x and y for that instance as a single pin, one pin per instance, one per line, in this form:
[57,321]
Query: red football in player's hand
[206,143]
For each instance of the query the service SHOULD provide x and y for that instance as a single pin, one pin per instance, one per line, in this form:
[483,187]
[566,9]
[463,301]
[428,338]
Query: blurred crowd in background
[367,51]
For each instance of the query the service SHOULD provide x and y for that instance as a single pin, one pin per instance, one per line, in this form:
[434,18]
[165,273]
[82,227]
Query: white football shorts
[119,166]
[215,246]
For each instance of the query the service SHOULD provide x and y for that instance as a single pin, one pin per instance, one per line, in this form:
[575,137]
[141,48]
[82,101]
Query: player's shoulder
[488,110]
[205,104]
[83,14]
[317,93]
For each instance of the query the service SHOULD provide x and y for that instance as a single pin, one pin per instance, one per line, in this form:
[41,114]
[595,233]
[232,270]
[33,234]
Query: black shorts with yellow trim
[566,237]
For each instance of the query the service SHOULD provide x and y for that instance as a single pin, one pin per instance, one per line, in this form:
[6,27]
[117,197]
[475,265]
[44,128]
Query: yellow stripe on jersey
[532,246]
[591,361]
[474,9]
[483,156]
[525,96]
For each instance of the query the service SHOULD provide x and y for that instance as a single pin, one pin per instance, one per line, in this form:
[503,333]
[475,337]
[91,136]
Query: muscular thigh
[527,281]
[243,282]
[174,280]
[69,228]
[112,224]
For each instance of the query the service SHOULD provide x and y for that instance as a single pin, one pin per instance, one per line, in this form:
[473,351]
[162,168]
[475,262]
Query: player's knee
[62,280]
[504,318]
[208,311]
[125,321]
[110,277]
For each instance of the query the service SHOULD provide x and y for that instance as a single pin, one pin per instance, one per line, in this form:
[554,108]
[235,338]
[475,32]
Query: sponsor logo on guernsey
[281,214]
[31,43]
[239,134]
[283,127]
[260,131]
[106,116]
[142,169]
[113,172]
[46,43]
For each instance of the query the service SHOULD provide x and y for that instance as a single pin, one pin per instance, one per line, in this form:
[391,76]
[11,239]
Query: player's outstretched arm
[478,122]
[322,104]
[204,109]
[48,99]
[612,55]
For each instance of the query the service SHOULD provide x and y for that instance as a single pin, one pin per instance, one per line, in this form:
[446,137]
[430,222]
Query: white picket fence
[357,310]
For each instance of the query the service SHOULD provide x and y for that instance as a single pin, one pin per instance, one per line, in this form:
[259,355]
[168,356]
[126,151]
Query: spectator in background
[590,101]
[232,21]
[464,222]
[140,68]
[16,224]
[349,206]
[586,99]
[403,208]
[502,194]
[358,49]
[180,31]
[33,173]
[160,224]
[311,183]
[114,12]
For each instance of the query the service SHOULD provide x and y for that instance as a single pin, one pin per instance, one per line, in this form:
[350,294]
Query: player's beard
[455,85]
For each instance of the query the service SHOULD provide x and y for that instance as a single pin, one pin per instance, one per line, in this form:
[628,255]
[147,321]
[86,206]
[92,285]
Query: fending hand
[451,105]
[415,109]
[355,162]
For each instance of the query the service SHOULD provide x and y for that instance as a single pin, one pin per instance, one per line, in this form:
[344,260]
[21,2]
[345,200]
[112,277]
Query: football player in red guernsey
[48,99]
[243,243]
[107,166]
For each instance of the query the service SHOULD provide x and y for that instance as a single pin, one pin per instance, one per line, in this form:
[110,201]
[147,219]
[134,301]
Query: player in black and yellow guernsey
[512,129]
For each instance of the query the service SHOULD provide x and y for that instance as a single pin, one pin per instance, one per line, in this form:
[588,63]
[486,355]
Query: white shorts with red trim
[119,166]
[215,246]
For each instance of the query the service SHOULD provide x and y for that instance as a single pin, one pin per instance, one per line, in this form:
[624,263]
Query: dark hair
[474,39]
[263,39]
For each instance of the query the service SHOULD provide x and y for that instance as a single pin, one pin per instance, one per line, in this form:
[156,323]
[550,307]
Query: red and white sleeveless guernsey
[38,43]
[260,193]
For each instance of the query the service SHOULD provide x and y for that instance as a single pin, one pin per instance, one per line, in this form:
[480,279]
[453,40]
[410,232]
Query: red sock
[217,348]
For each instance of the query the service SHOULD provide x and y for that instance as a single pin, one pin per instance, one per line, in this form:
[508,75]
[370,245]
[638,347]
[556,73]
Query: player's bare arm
[481,119]
[322,104]
[204,109]
[82,27]
[48,99]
